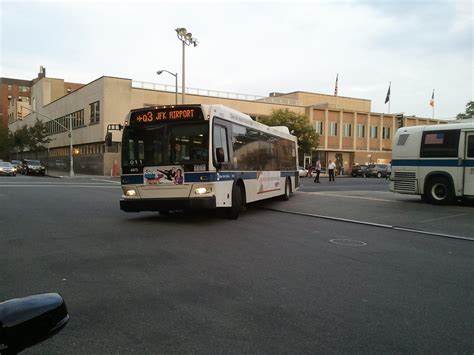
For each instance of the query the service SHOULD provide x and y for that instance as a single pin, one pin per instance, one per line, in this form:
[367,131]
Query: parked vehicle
[17,165]
[377,170]
[302,172]
[7,169]
[32,167]
[359,170]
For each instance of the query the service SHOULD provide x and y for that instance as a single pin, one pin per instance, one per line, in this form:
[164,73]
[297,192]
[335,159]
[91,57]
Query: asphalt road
[269,282]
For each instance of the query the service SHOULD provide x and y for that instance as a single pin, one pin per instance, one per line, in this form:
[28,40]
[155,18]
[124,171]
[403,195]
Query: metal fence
[216,93]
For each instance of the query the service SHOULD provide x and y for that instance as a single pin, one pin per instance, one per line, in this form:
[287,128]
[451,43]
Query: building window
[373,131]
[386,132]
[95,112]
[360,131]
[333,128]
[24,99]
[61,124]
[347,129]
[23,88]
[9,88]
[318,127]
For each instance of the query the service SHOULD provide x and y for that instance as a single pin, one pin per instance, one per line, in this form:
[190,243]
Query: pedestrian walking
[331,168]
[310,171]
[389,171]
[317,169]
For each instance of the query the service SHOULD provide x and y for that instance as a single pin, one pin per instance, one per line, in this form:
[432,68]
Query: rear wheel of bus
[438,191]
[286,195]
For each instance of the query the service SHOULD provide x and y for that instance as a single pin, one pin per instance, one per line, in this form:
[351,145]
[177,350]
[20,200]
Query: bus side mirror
[220,155]
[108,139]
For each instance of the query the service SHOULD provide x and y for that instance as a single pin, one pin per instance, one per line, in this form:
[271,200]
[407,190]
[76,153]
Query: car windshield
[5,164]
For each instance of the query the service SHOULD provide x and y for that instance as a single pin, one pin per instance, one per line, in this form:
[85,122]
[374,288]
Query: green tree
[298,124]
[38,137]
[469,112]
[20,140]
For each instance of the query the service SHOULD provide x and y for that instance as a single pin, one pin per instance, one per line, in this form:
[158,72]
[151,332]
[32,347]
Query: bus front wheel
[438,191]
[233,212]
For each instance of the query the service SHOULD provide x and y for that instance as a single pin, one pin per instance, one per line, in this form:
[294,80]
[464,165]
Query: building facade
[349,132]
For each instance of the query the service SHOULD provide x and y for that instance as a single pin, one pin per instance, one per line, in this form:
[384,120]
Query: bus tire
[438,191]
[233,212]
[286,195]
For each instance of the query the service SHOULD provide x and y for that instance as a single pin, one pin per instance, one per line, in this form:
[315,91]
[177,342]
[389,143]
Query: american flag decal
[434,138]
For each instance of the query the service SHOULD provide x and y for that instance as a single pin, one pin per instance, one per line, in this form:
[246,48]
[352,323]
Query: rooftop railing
[216,93]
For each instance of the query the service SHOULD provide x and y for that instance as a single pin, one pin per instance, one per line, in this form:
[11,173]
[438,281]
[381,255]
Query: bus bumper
[163,204]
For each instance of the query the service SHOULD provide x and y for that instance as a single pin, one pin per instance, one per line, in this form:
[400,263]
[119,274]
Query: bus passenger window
[470,147]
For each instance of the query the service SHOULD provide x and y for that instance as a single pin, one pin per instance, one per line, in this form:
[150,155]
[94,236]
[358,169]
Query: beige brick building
[350,133]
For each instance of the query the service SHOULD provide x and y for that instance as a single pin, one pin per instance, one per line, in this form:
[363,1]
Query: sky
[255,47]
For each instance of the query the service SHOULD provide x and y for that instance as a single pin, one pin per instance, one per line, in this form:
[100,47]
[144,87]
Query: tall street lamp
[159,72]
[187,39]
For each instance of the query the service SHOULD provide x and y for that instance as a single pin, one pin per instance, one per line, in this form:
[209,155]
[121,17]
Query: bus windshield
[165,144]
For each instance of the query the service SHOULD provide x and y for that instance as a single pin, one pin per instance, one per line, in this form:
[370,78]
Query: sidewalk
[65,174]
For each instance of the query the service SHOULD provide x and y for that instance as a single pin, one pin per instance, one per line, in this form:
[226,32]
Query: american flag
[432,100]
[335,87]
[434,138]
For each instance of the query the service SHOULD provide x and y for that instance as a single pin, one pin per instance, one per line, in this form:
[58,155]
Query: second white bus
[436,162]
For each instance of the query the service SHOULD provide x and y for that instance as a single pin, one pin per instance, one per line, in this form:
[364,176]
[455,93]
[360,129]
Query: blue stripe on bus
[432,162]
[137,179]
[132,179]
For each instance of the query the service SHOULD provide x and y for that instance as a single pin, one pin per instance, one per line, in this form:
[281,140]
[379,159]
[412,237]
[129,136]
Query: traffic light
[400,120]
[108,139]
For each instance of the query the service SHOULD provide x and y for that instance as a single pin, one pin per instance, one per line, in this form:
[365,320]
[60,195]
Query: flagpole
[336,88]
[390,98]
[433,105]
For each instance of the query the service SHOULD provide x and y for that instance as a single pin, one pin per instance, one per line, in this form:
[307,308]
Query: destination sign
[151,115]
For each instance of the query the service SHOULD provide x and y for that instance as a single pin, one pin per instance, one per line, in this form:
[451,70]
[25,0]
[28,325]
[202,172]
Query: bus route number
[146,117]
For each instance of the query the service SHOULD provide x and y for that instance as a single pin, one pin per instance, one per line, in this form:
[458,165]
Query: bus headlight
[203,190]
[131,193]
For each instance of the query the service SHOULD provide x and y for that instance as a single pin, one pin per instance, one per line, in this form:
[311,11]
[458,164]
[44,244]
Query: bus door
[469,165]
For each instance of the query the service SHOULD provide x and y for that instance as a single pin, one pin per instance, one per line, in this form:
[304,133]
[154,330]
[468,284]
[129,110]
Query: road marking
[371,224]
[109,181]
[348,242]
[438,218]
[354,197]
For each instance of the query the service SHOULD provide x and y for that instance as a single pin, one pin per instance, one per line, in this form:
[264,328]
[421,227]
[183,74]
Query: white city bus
[436,162]
[203,157]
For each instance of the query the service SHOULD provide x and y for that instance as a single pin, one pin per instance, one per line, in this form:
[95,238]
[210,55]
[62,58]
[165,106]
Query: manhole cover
[349,242]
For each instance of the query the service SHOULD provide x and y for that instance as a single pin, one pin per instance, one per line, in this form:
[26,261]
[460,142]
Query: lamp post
[159,72]
[187,39]
[71,159]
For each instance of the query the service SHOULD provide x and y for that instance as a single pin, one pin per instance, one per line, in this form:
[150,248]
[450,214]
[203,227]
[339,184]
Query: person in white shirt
[331,168]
